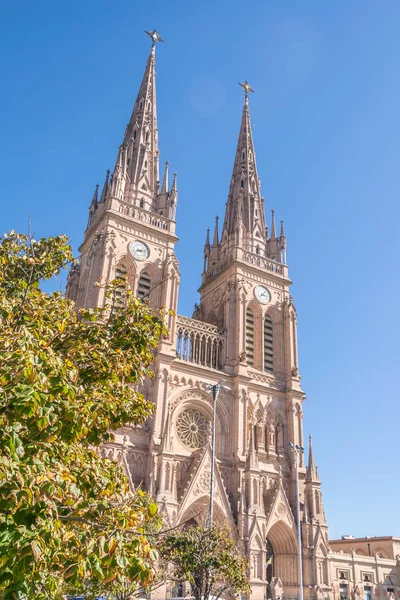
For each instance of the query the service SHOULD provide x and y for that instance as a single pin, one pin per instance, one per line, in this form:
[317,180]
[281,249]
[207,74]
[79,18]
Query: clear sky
[326,127]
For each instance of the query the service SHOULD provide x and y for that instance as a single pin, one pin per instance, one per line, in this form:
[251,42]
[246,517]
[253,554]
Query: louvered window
[144,286]
[250,337]
[268,345]
[120,273]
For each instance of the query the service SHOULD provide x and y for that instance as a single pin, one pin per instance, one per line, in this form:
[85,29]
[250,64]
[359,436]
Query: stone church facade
[243,331]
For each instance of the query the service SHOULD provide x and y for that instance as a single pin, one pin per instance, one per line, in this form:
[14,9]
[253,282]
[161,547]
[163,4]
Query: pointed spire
[215,239]
[273,229]
[244,203]
[312,473]
[105,186]
[214,254]
[95,196]
[137,163]
[282,244]
[174,185]
[93,205]
[207,244]
[164,187]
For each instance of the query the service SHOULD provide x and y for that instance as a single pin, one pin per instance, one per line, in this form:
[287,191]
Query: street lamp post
[298,450]
[215,389]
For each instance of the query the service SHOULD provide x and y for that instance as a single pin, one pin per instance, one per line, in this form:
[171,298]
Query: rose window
[192,427]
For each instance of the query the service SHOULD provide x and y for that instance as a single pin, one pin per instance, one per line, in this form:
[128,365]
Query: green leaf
[152,509]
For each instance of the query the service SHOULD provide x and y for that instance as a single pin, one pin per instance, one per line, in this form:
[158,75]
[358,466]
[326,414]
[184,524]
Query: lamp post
[298,450]
[215,389]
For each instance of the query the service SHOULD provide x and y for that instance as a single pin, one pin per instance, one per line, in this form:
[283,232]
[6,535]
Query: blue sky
[326,127]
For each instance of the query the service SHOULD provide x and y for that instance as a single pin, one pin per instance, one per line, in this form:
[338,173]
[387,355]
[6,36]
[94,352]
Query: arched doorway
[282,546]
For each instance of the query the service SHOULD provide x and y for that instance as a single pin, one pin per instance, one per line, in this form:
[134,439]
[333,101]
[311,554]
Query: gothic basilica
[244,332]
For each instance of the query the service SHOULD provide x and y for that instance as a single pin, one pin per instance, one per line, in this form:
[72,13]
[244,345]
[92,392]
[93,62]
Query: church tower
[131,224]
[244,331]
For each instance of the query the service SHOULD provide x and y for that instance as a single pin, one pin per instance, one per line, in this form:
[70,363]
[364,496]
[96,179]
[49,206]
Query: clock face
[262,294]
[139,250]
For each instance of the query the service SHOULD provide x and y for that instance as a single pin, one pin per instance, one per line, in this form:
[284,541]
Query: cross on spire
[154,36]
[247,88]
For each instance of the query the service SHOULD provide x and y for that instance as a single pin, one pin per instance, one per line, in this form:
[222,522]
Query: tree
[208,559]
[67,379]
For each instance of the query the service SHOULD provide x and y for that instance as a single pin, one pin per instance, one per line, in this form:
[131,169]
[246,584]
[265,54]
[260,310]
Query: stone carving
[276,588]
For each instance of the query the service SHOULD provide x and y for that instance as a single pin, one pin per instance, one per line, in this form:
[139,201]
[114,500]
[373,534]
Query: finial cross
[155,36]
[247,88]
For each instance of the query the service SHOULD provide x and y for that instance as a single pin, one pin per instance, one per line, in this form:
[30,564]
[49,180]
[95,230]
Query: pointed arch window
[268,345]
[144,286]
[141,203]
[122,274]
[250,336]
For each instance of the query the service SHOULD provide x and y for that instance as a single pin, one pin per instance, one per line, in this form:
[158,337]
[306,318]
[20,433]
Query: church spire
[273,228]
[136,174]
[164,187]
[105,186]
[312,473]
[244,208]
[214,254]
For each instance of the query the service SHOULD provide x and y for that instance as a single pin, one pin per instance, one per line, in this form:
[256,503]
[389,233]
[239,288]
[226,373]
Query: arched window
[144,286]
[268,345]
[317,503]
[120,273]
[242,184]
[141,203]
[250,336]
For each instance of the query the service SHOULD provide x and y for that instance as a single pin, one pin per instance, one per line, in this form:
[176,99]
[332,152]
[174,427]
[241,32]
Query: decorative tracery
[192,427]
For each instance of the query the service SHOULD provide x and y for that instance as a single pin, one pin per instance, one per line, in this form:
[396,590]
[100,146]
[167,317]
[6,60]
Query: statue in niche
[270,433]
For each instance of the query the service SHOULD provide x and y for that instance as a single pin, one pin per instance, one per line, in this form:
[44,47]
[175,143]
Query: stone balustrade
[251,258]
[261,261]
[140,214]
[199,343]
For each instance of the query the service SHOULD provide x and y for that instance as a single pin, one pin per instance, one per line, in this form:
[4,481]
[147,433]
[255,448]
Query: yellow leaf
[112,547]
